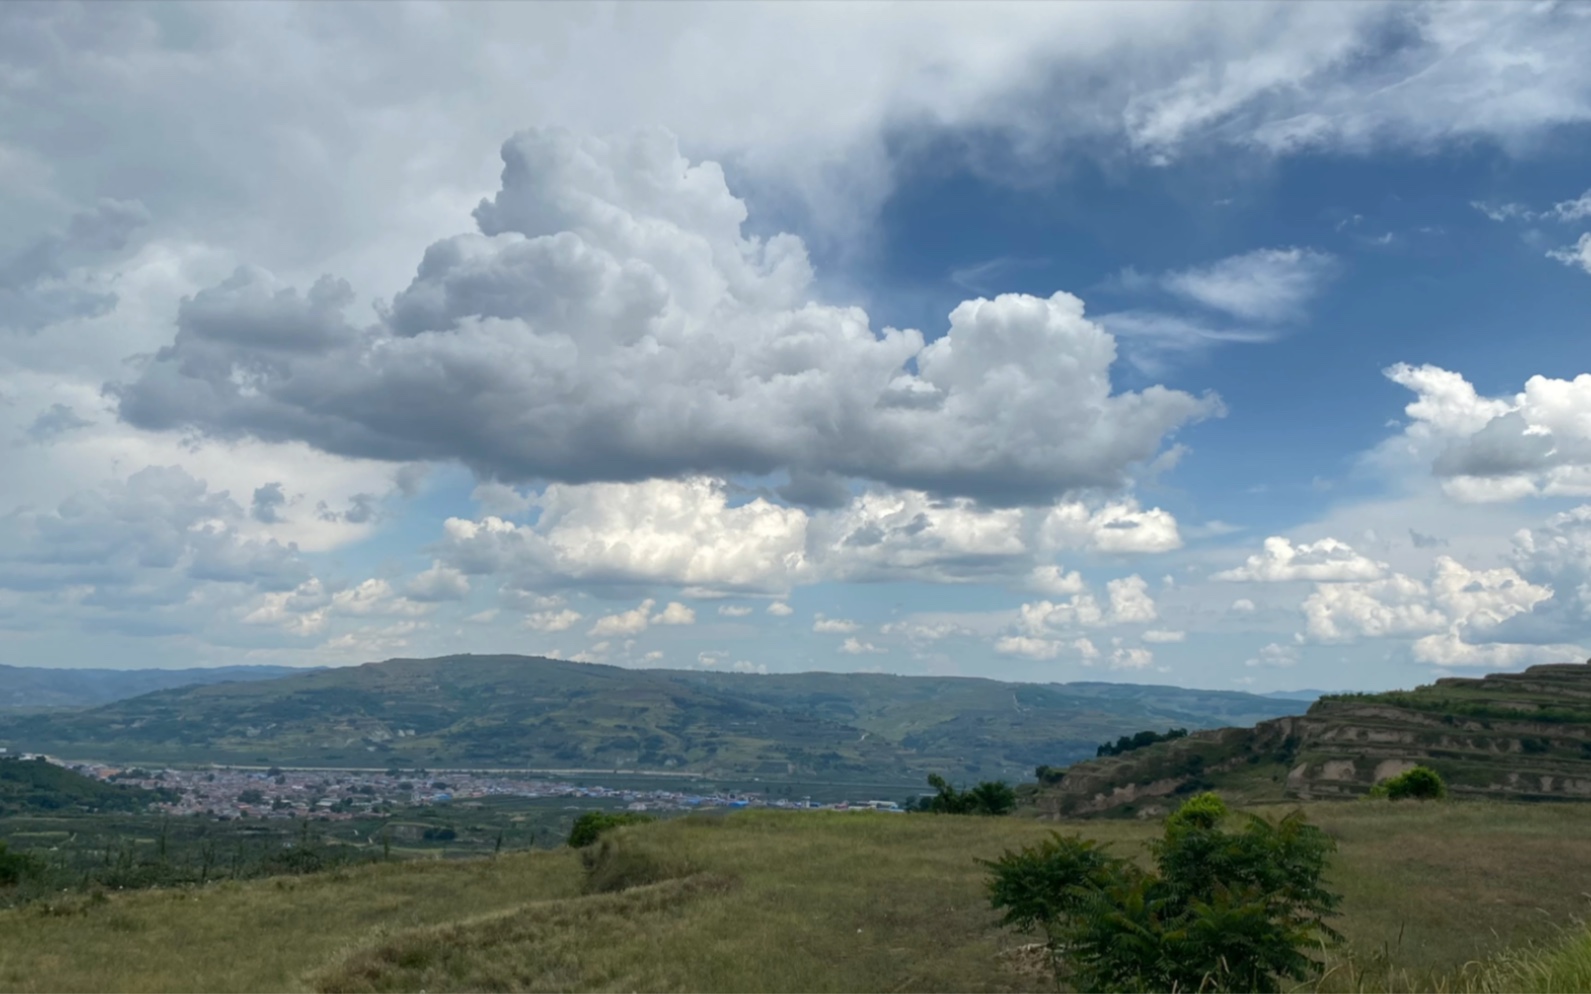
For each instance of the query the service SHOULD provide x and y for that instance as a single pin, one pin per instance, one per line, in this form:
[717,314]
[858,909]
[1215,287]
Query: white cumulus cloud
[834,626]
[1535,443]
[1281,561]
[631,622]
[854,646]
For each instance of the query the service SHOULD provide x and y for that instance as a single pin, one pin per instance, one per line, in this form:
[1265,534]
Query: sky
[1241,346]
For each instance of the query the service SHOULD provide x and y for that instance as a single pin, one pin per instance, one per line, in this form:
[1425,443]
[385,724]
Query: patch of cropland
[533,713]
[44,687]
[777,901]
[1519,736]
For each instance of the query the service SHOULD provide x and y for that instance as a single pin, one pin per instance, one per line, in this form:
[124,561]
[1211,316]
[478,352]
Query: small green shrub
[1055,774]
[616,863]
[1226,910]
[1421,783]
[1040,883]
[590,826]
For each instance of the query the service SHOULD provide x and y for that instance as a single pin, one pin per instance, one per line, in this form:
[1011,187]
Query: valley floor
[772,901]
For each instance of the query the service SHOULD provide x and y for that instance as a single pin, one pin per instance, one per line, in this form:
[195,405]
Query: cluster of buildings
[348,794]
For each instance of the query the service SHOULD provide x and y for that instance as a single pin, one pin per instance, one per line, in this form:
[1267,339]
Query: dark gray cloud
[59,419]
[36,288]
[269,501]
[823,491]
[611,322]
[362,508]
[1423,541]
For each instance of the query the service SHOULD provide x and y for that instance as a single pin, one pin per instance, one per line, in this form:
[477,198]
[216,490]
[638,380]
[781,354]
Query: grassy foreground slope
[531,712]
[775,901]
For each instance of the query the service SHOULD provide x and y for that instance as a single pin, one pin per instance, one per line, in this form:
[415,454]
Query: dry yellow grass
[1429,887]
[800,901]
[255,936]
[815,902]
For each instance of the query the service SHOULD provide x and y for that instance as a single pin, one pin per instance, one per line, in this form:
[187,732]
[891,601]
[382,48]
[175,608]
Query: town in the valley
[338,795]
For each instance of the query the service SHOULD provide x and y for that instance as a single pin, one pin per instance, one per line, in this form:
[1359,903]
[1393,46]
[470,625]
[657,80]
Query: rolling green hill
[535,713]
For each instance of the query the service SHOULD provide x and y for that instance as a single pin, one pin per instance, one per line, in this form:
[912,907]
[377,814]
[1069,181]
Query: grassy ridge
[52,687]
[774,901]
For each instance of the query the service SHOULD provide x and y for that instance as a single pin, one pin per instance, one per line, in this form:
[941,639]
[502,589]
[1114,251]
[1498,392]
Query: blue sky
[1237,346]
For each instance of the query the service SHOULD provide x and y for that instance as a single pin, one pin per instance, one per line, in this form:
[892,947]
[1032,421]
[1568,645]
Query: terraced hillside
[529,712]
[1518,736]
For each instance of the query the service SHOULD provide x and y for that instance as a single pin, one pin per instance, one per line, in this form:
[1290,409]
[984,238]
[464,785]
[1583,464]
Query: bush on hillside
[991,797]
[590,826]
[1228,910]
[16,866]
[1421,783]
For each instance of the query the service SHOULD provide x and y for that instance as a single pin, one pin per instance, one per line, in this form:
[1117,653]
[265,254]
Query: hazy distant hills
[532,712]
[37,687]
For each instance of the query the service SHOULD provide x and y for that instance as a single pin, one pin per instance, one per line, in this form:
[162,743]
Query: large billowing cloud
[692,533]
[611,321]
[1535,443]
[682,533]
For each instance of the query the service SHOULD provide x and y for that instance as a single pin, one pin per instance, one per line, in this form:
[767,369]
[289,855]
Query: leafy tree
[1421,783]
[1232,910]
[991,797]
[590,826]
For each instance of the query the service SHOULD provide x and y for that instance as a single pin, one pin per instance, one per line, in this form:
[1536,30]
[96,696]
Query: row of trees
[1129,743]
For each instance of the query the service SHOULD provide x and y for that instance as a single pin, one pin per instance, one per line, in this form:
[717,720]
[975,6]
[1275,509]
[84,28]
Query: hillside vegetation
[781,902]
[49,687]
[29,786]
[1519,736]
[529,712]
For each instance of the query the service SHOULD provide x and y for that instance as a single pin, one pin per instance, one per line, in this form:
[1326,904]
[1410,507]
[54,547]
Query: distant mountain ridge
[1514,736]
[45,687]
[536,713]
